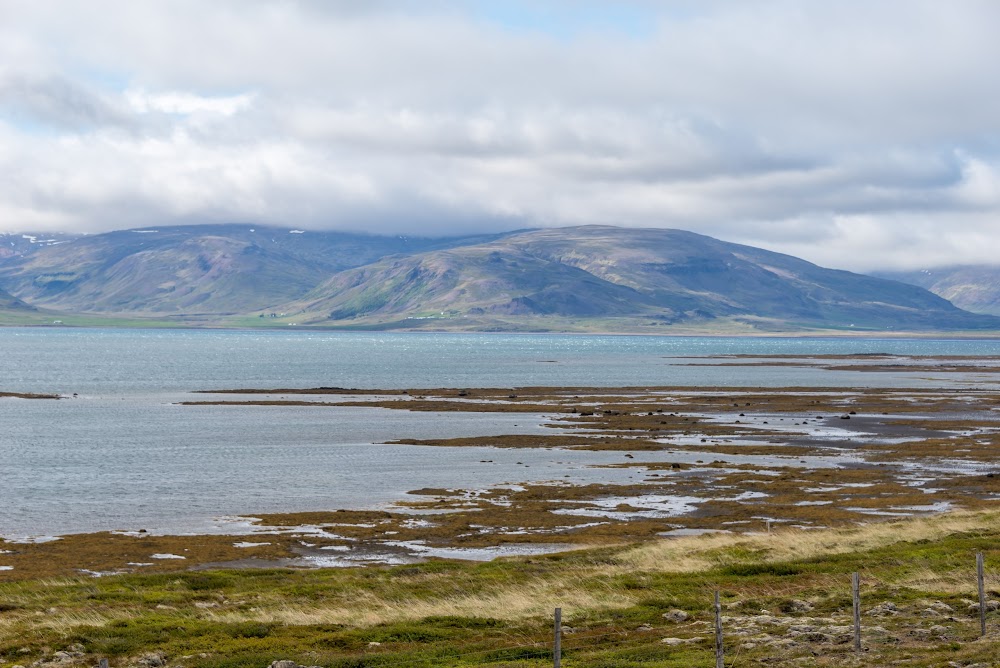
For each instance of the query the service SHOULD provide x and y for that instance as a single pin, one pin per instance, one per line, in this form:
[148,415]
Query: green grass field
[786,599]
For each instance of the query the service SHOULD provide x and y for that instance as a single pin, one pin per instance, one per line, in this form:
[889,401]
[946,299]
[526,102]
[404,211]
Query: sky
[858,134]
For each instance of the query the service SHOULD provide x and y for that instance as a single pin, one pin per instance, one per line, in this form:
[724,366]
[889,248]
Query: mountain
[974,288]
[664,276]
[581,278]
[25,243]
[220,269]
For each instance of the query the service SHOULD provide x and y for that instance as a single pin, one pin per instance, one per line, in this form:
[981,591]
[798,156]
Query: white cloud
[856,134]
[187,103]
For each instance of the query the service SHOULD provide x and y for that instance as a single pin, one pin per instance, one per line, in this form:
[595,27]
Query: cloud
[186,103]
[57,103]
[856,134]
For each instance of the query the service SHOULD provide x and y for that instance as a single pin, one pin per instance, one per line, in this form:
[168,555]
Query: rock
[152,660]
[374,643]
[765,619]
[941,607]
[675,616]
[973,606]
[206,604]
[644,627]
[939,630]
[678,641]
[887,608]
[796,605]
[284,663]
[930,612]
[783,642]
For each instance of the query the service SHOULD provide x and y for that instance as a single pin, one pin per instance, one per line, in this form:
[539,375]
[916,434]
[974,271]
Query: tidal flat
[679,460]
[773,495]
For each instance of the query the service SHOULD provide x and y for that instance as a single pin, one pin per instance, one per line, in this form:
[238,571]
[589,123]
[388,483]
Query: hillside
[593,278]
[974,288]
[220,269]
[666,276]
[26,243]
[10,303]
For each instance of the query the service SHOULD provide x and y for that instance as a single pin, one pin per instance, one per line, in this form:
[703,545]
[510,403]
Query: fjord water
[122,454]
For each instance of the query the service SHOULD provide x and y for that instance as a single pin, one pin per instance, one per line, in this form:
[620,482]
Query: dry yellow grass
[532,600]
[687,555]
[697,553]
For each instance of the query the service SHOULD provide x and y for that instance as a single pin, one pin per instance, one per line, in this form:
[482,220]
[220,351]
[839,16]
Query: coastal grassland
[786,599]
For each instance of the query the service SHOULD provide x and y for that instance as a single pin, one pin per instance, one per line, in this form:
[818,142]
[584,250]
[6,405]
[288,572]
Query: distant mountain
[211,269]
[581,278]
[26,243]
[670,276]
[974,288]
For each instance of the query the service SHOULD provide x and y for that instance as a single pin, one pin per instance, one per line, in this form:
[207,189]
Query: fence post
[718,632]
[557,645]
[982,594]
[103,663]
[856,590]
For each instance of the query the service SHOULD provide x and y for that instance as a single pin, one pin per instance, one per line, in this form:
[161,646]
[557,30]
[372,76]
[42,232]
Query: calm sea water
[123,455]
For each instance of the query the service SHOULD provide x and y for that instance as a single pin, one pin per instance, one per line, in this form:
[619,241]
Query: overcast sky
[856,134]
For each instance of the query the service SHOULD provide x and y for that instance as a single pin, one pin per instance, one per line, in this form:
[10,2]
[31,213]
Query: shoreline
[160,326]
[710,459]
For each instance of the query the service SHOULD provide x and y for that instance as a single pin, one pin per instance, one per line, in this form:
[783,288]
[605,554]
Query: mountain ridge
[193,270]
[589,278]
[670,276]
[975,288]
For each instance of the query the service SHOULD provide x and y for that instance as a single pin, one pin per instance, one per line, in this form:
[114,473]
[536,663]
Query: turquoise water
[123,455]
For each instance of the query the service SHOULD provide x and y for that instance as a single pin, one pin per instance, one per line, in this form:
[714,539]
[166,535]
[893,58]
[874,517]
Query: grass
[499,613]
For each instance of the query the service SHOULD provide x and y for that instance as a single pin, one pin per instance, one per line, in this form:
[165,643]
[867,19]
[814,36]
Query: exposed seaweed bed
[27,395]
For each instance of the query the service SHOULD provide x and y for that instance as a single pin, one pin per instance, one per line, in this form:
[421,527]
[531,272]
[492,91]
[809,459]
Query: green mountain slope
[670,276]
[974,288]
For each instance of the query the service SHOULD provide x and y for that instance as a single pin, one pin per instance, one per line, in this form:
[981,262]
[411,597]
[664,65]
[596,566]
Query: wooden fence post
[982,594]
[557,644]
[718,633]
[856,590]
